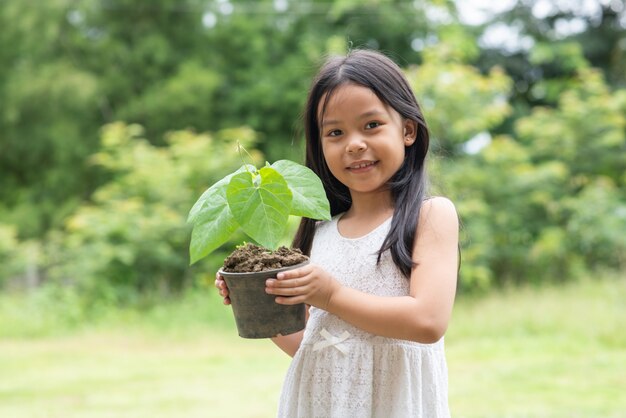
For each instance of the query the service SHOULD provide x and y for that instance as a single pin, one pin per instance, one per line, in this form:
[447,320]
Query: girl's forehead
[344,96]
[345,90]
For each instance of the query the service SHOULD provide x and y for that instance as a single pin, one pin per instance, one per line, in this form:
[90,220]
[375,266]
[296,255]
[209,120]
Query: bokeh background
[115,115]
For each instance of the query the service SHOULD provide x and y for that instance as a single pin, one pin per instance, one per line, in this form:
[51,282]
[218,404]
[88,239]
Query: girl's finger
[285,283]
[293,300]
[288,291]
[290,274]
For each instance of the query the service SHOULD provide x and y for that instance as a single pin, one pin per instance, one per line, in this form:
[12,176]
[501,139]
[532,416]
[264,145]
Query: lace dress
[342,371]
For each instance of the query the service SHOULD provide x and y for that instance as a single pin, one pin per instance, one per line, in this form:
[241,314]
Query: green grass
[555,352]
[122,375]
[549,352]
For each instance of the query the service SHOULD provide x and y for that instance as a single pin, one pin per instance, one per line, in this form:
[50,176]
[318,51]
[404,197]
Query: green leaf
[212,230]
[262,210]
[206,200]
[309,197]
[213,223]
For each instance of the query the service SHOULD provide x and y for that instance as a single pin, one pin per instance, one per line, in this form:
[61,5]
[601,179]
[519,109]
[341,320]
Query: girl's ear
[410,132]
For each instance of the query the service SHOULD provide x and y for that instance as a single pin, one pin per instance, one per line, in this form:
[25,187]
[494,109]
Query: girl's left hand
[309,284]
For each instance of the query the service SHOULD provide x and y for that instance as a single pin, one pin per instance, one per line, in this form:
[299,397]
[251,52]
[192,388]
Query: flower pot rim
[244,275]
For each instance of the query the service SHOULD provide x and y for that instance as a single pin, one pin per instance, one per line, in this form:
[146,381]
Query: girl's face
[363,139]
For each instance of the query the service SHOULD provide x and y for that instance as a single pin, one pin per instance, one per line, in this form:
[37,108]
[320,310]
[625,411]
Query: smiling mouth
[362,165]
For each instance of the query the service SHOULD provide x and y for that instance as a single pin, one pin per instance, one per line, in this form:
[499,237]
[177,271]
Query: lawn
[549,352]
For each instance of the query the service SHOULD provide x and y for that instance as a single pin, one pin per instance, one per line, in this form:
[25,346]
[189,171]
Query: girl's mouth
[361,166]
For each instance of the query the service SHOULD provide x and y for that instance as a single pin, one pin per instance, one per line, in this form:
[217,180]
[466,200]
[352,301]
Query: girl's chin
[362,189]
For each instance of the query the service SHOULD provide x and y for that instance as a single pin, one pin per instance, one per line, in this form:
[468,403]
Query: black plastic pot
[257,315]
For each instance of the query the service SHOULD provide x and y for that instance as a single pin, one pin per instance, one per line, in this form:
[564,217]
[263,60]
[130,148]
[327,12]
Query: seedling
[259,201]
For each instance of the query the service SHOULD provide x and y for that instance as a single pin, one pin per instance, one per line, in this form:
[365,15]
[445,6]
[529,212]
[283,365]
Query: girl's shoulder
[438,210]
[323,224]
[439,203]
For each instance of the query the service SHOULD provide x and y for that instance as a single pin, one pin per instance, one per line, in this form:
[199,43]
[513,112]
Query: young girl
[382,277]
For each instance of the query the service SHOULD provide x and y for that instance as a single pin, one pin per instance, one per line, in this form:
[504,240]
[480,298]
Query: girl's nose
[356,145]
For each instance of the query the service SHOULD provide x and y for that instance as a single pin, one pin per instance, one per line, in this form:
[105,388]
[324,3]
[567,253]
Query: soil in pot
[252,258]
[256,313]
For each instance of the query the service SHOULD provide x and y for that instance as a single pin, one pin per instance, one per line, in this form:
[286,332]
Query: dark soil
[252,258]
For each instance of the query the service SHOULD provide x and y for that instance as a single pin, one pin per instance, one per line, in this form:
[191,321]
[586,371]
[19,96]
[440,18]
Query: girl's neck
[370,206]
[365,214]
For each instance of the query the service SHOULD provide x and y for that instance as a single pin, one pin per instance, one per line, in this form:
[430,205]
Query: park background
[115,115]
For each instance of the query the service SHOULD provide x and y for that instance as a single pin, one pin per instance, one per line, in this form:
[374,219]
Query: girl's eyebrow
[370,113]
[364,115]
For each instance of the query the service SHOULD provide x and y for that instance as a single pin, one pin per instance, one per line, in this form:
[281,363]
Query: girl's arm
[422,316]
[289,343]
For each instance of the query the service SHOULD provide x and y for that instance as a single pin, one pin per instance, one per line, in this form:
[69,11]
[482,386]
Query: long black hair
[408,185]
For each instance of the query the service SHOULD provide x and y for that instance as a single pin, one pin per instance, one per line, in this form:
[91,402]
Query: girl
[382,277]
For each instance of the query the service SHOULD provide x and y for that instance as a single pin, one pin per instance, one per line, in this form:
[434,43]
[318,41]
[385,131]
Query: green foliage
[550,201]
[458,101]
[308,195]
[49,108]
[546,200]
[132,237]
[258,201]
[99,210]
[213,223]
[553,45]
[70,67]
[175,103]
[16,257]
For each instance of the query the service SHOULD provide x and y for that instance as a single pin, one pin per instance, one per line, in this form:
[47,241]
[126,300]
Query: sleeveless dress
[341,371]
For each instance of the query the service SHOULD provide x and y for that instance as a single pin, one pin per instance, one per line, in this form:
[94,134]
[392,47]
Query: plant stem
[239,149]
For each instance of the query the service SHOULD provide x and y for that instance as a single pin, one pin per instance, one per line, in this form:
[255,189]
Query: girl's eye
[372,125]
[335,132]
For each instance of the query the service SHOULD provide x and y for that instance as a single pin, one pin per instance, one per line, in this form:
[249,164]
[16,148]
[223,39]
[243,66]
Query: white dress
[342,371]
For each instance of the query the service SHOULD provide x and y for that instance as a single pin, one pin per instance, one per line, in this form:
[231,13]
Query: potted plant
[259,201]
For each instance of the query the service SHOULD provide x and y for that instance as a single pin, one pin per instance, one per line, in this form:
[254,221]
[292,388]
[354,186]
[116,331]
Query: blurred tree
[133,238]
[586,133]
[18,259]
[267,52]
[144,54]
[549,202]
[528,134]
[47,118]
[458,101]
[69,67]
[539,42]
[527,198]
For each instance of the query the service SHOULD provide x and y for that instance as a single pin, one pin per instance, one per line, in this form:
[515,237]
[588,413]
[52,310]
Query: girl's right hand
[220,284]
